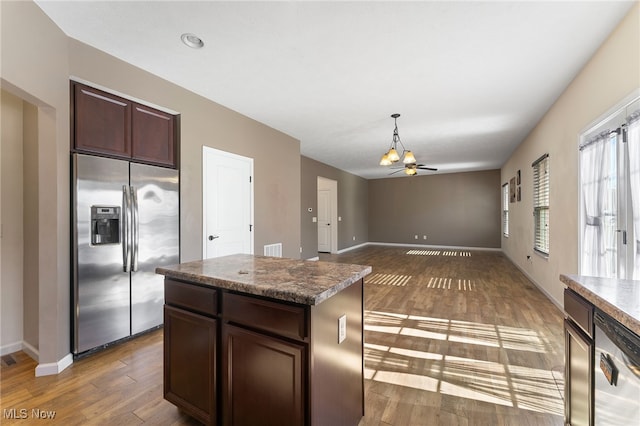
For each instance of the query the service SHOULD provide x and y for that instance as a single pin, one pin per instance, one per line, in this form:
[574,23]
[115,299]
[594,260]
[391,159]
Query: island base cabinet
[190,363]
[263,379]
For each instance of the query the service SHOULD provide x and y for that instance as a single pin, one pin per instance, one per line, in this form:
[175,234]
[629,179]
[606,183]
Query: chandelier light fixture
[391,156]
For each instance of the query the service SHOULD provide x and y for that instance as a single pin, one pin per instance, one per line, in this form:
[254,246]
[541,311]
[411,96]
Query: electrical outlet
[354,238]
[314,219]
[342,328]
[424,237]
[415,236]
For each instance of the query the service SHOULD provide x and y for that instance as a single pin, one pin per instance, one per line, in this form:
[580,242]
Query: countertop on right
[620,299]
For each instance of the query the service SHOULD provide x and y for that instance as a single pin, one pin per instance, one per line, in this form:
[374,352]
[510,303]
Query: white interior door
[324,221]
[227,199]
[327,215]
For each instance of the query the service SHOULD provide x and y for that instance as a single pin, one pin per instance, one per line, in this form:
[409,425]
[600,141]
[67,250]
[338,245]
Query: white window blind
[541,204]
[505,209]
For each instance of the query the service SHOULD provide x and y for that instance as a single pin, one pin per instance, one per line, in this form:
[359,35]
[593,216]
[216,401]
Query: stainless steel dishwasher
[617,373]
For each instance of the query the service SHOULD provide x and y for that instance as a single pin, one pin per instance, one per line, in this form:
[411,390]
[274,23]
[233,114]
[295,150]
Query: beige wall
[455,209]
[19,284]
[37,66]
[202,122]
[609,76]
[31,228]
[352,206]
[11,279]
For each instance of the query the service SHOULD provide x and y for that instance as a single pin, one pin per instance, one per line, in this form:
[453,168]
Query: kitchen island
[254,340]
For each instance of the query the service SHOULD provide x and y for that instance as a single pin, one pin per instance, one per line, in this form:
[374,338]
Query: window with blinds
[505,209]
[541,204]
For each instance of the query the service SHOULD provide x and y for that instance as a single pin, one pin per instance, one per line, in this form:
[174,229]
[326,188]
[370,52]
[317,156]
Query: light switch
[342,328]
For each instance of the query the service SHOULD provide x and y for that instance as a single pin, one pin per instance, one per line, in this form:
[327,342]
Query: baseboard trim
[31,351]
[344,250]
[530,278]
[20,346]
[426,246]
[435,246]
[10,348]
[52,368]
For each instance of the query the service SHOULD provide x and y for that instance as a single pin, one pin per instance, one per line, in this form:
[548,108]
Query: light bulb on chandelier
[392,156]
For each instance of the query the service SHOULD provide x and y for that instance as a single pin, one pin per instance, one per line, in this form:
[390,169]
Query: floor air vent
[273,250]
[8,360]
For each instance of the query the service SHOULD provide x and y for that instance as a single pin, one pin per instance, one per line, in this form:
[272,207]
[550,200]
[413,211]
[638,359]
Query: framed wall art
[512,190]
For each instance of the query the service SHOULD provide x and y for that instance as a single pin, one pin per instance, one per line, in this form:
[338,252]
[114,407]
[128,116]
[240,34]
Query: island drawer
[280,318]
[579,310]
[191,297]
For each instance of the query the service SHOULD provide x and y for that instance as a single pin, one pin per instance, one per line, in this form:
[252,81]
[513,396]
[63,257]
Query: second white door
[327,215]
[324,221]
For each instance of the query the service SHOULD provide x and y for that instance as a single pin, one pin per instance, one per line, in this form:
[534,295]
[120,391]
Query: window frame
[505,210]
[541,205]
[625,261]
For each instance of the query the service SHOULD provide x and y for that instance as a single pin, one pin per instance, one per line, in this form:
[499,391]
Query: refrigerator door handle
[134,229]
[126,239]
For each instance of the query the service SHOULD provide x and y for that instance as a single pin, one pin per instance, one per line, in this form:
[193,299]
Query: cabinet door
[578,376]
[190,363]
[262,379]
[102,122]
[154,135]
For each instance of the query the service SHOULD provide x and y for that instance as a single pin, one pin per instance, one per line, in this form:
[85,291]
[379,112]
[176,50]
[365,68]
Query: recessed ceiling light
[192,40]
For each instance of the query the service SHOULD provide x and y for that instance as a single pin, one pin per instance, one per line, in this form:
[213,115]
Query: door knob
[213,237]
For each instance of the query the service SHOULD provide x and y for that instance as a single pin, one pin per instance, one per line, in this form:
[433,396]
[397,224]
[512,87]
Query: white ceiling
[471,79]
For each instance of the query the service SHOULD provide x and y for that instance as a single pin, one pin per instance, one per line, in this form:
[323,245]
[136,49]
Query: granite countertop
[301,281]
[620,299]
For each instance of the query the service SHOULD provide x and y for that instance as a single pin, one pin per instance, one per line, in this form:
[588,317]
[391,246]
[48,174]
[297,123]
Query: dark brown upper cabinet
[102,122]
[153,136]
[110,125]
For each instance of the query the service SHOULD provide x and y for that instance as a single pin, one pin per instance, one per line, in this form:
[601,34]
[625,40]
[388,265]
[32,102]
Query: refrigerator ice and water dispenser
[105,225]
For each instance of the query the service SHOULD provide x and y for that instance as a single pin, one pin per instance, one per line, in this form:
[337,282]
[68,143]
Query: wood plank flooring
[457,337]
[452,338]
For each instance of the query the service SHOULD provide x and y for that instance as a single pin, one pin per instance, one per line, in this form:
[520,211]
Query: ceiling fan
[412,169]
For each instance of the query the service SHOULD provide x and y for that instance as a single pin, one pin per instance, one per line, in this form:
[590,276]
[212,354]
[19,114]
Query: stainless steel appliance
[125,224]
[617,373]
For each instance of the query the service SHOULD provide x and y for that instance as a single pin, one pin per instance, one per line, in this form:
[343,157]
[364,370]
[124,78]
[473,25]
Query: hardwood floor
[119,386]
[457,338]
[452,338]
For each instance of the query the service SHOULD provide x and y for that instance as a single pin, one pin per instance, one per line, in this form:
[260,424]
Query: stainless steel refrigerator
[125,224]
